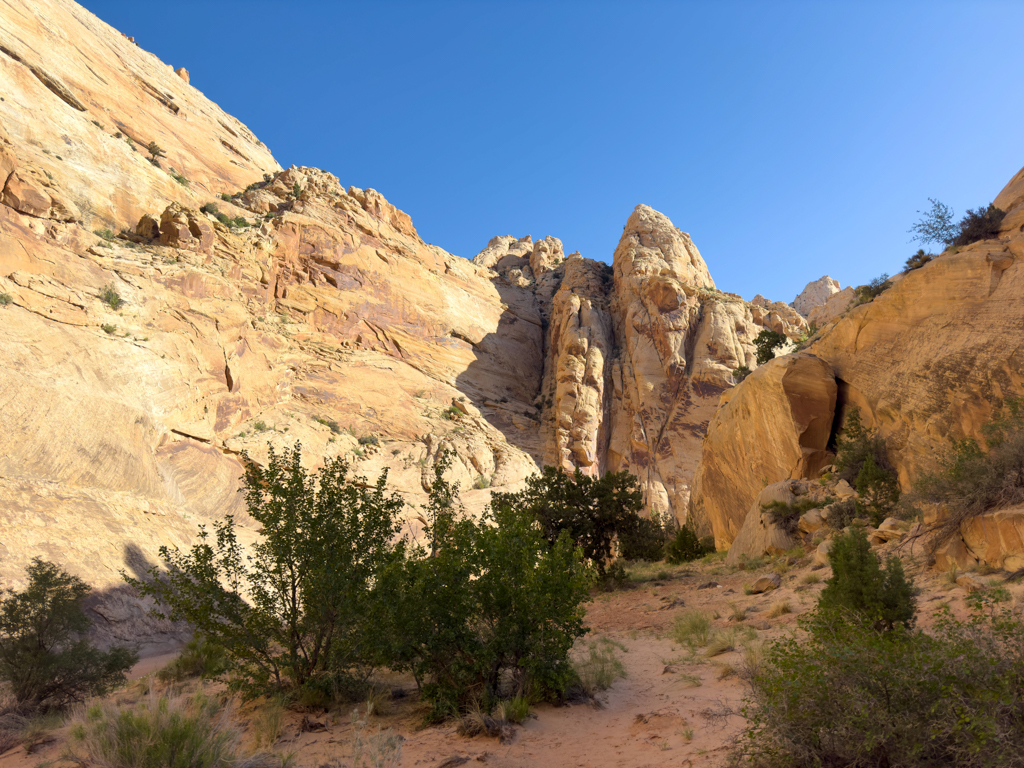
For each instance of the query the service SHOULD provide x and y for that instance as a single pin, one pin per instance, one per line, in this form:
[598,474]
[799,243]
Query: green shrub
[487,609]
[330,424]
[156,733]
[199,658]
[973,480]
[935,226]
[739,374]
[692,628]
[43,654]
[980,224]
[593,511]
[842,514]
[180,178]
[260,426]
[108,328]
[451,413]
[766,343]
[646,541]
[878,491]
[596,669]
[110,296]
[225,197]
[296,191]
[788,515]
[305,605]
[853,695]
[874,289]
[5,299]
[154,150]
[482,482]
[369,440]
[685,546]
[106,234]
[918,260]
[861,459]
[858,583]
[210,208]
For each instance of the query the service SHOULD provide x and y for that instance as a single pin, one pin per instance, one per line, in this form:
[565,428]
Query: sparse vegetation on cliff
[936,225]
[861,459]
[766,343]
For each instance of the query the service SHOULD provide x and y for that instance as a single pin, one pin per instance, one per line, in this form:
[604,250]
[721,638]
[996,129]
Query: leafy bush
[369,440]
[487,609]
[858,583]
[788,515]
[971,480]
[593,511]
[210,208]
[766,342]
[481,482]
[110,296]
[874,289]
[154,150]
[43,655]
[5,299]
[646,541]
[296,190]
[180,178]
[935,226]
[854,695]
[597,668]
[685,546]
[329,423]
[451,413]
[157,733]
[199,658]
[739,374]
[861,459]
[918,260]
[108,328]
[305,605]
[106,234]
[842,514]
[980,224]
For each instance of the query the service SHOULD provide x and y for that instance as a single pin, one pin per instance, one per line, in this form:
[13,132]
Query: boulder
[844,490]
[148,227]
[182,73]
[970,584]
[759,535]
[766,584]
[997,538]
[8,162]
[26,195]
[822,552]
[774,426]
[184,228]
[834,307]
[891,529]
[811,521]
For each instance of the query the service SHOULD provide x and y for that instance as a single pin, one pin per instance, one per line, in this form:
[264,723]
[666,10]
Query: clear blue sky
[790,139]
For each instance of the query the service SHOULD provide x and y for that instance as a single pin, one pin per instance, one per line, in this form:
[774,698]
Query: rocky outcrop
[815,294]
[833,308]
[760,535]
[772,427]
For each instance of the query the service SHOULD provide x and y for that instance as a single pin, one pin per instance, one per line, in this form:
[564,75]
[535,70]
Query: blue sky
[790,139]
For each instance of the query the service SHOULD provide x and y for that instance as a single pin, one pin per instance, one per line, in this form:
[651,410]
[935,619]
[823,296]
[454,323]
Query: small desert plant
[787,516]
[267,722]
[737,612]
[810,578]
[722,641]
[210,208]
[841,514]
[296,190]
[780,608]
[451,413]
[154,150]
[110,296]
[980,224]
[109,328]
[861,458]
[739,374]
[482,482]
[159,732]
[873,289]
[378,700]
[513,710]
[180,178]
[106,234]
[685,546]
[369,440]
[692,628]
[597,669]
[260,426]
[199,658]
[918,260]
[5,299]
[330,424]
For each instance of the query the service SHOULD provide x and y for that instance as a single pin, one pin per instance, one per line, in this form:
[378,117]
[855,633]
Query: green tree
[155,151]
[685,546]
[766,342]
[935,225]
[484,609]
[594,511]
[302,609]
[878,490]
[861,460]
[43,654]
[884,596]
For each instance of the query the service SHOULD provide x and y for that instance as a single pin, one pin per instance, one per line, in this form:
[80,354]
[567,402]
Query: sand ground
[674,707]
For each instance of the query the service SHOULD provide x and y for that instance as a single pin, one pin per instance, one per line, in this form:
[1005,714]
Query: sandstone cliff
[327,320]
[928,361]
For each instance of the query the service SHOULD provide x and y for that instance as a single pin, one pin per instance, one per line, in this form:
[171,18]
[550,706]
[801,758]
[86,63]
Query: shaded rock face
[325,321]
[929,361]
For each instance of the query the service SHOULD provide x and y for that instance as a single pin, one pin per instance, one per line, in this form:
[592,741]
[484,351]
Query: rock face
[833,308]
[815,294]
[927,362]
[774,426]
[759,534]
[138,367]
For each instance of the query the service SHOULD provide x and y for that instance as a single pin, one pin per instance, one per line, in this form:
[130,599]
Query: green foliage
[647,540]
[918,260]
[597,668]
[485,609]
[106,234]
[482,482]
[980,224]
[260,426]
[43,656]
[330,424]
[788,515]
[842,514]
[110,296]
[878,491]
[766,342]
[304,606]
[884,596]
[861,459]
[210,208]
[180,178]
[874,289]
[685,546]
[156,733]
[199,658]
[5,299]
[739,374]
[593,511]
[154,150]
[225,197]
[935,226]
[974,480]
[296,190]
[108,328]
[369,440]
[854,695]
[451,413]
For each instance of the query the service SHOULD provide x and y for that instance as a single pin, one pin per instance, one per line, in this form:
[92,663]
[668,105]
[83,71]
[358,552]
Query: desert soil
[674,707]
